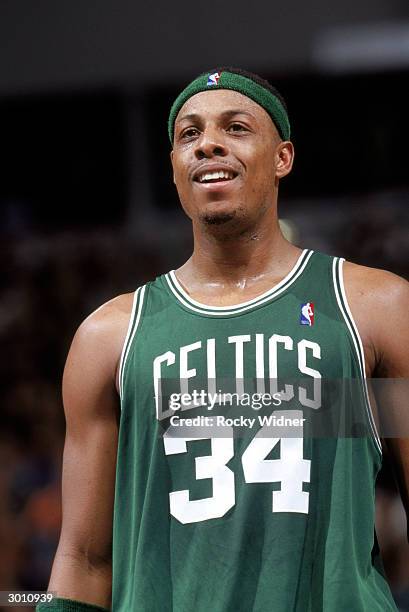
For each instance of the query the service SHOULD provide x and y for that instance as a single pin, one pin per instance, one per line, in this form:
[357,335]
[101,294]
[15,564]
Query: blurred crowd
[48,284]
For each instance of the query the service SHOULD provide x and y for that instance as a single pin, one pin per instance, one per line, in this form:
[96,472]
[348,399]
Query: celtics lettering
[255,356]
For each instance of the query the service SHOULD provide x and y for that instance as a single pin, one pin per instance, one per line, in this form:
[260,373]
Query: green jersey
[228,497]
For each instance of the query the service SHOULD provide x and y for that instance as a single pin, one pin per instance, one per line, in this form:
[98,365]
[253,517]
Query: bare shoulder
[111,314]
[108,322]
[379,301]
[374,284]
[98,342]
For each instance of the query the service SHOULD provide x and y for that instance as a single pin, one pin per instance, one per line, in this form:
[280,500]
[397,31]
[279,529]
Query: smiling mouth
[216,177]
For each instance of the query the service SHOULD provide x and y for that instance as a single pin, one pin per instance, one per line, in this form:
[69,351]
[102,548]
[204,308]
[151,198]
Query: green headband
[236,82]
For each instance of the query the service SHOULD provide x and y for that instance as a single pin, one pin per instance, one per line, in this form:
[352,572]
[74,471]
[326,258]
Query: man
[233,521]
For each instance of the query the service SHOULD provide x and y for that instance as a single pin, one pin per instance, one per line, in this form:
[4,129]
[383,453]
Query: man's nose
[210,143]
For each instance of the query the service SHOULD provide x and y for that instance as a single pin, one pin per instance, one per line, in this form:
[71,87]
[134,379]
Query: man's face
[227,157]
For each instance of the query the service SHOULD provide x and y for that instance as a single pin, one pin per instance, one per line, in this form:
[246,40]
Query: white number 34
[291,470]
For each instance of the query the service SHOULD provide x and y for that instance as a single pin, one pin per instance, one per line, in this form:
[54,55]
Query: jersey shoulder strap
[134,321]
[356,340]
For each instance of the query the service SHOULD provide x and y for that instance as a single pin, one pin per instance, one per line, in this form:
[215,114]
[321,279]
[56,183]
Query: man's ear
[284,158]
[171,161]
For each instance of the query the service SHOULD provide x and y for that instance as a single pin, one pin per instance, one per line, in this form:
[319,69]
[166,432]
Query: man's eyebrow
[190,117]
[237,111]
[225,115]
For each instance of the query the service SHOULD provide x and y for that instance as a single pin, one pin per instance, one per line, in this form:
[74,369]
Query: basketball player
[157,521]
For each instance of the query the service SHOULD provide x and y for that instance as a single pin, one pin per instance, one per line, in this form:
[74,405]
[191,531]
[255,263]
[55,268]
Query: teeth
[214,176]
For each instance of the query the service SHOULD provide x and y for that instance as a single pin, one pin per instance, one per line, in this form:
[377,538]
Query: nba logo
[213,79]
[307,314]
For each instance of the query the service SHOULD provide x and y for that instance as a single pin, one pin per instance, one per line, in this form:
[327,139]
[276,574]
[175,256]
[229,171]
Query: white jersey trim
[357,342]
[132,327]
[201,308]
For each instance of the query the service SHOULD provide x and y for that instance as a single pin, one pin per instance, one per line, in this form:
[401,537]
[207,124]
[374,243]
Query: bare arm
[82,567]
[394,363]
[380,304]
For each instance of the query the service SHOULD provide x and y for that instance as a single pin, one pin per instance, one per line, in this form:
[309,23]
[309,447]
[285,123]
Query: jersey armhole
[340,294]
[132,327]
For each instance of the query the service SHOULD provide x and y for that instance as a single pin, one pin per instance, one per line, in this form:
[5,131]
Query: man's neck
[258,255]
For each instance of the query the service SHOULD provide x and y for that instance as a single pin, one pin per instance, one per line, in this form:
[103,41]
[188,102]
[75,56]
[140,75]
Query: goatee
[218,218]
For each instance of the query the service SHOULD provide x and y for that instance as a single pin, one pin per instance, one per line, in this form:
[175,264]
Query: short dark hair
[253,77]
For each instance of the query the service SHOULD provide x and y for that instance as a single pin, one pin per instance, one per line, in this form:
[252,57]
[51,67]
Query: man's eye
[236,127]
[189,133]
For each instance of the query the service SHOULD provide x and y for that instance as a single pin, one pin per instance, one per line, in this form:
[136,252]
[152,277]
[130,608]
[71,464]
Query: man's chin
[218,213]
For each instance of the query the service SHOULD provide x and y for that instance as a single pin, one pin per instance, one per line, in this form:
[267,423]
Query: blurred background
[88,209]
